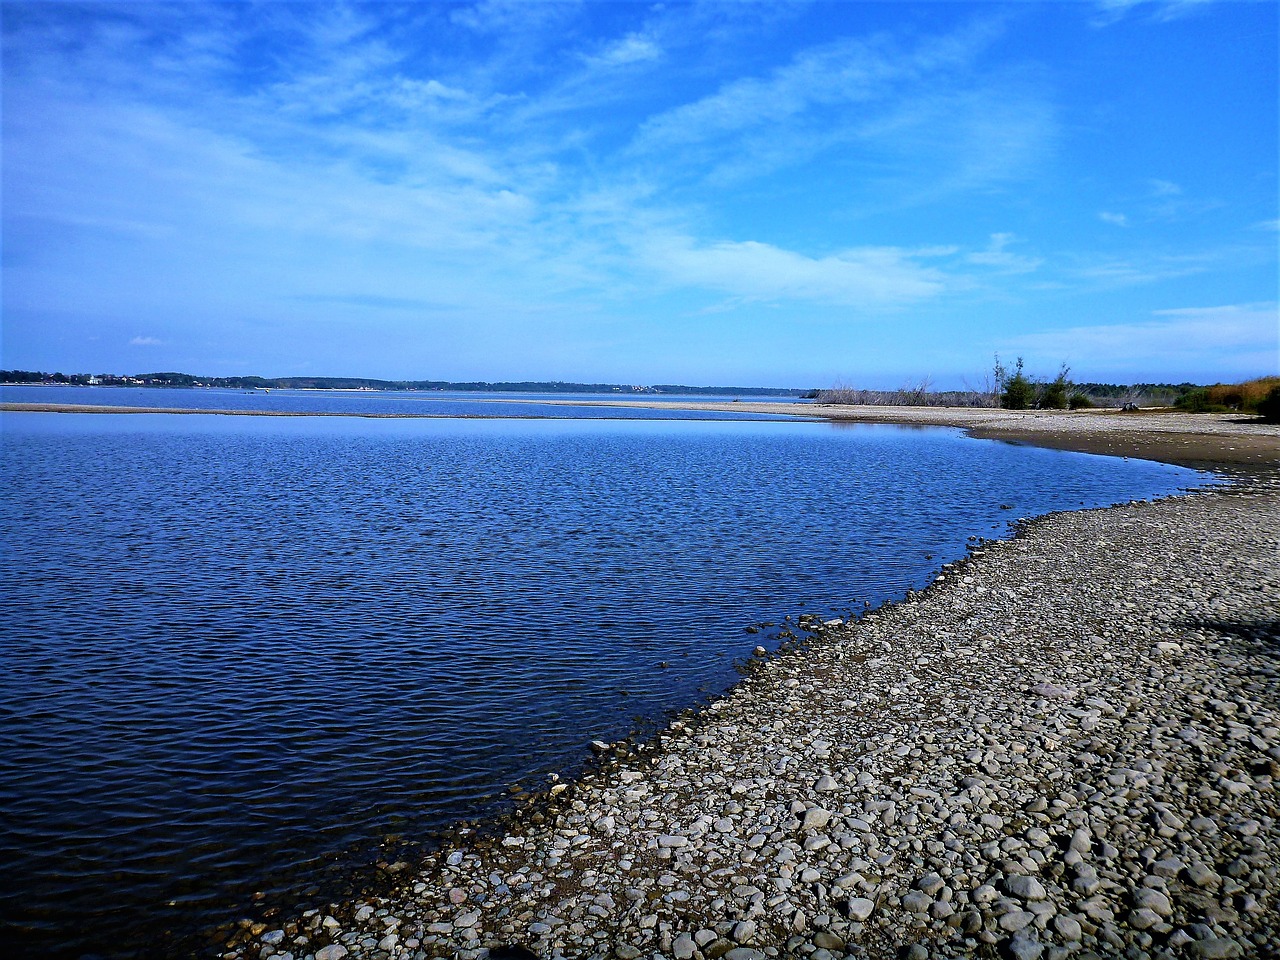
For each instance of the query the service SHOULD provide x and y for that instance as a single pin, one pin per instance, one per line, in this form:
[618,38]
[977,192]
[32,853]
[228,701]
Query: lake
[239,648]
[421,403]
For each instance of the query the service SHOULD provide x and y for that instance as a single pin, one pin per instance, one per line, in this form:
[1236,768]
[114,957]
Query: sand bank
[1194,440]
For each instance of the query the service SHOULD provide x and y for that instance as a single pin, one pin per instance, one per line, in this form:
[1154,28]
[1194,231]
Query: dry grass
[1241,396]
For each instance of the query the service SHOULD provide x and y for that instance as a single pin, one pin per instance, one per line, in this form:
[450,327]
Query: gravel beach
[1067,746]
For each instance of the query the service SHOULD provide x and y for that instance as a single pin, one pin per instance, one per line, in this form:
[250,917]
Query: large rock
[815,818]
[860,908]
[1024,887]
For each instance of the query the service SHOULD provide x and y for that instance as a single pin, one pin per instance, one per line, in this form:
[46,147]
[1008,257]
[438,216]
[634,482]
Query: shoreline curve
[1070,741]
[1201,441]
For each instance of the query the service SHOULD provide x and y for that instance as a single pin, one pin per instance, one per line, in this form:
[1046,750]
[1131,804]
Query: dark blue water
[235,647]
[382,402]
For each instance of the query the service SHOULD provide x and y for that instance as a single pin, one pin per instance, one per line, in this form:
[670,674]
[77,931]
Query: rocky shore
[1068,746]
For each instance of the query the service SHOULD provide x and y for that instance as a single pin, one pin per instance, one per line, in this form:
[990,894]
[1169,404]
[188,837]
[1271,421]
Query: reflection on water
[234,646]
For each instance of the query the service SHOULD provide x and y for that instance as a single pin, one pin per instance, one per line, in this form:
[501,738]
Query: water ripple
[234,649]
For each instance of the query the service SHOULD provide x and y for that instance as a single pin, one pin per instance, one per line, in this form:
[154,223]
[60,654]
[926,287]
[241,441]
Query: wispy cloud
[633,48]
[759,271]
[1108,12]
[1110,272]
[146,342]
[1115,219]
[918,107]
[999,257]
[513,17]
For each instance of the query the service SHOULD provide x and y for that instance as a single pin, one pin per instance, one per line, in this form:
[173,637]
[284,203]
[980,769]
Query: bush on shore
[1056,394]
[1247,397]
[1017,392]
[1011,388]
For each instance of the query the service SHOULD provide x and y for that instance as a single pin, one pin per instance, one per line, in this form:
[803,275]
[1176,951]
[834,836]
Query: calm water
[416,403]
[236,647]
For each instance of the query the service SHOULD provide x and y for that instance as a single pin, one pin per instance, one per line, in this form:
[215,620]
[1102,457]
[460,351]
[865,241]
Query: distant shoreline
[1201,441]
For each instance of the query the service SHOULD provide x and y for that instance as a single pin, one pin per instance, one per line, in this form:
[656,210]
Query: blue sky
[709,193]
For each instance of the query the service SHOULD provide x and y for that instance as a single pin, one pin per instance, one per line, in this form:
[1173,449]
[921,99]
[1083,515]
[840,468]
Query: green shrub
[1016,391]
[1056,394]
[1019,393]
[1199,401]
[1080,401]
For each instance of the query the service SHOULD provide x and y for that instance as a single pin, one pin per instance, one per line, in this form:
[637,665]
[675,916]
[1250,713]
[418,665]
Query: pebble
[815,818]
[1025,948]
[1202,876]
[859,908]
[917,901]
[1215,948]
[1067,927]
[1153,900]
[1025,888]
[1143,918]
[1016,920]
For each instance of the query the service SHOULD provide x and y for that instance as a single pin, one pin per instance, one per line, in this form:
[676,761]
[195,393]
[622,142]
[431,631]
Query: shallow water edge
[1051,727]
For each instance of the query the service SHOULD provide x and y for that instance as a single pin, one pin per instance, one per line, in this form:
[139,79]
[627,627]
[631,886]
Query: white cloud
[1110,11]
[838,73]
[146,342]
[1116,219]
[866,276]
[630,49]
[508,17]
[906,123]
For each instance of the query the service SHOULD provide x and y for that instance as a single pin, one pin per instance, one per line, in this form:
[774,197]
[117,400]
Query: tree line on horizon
[1004,386]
